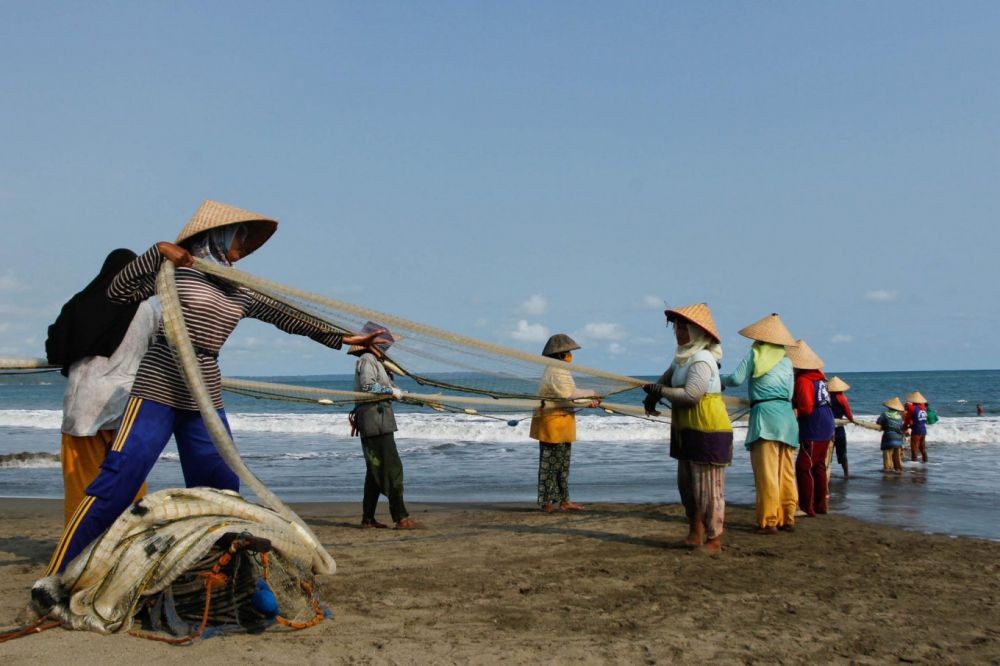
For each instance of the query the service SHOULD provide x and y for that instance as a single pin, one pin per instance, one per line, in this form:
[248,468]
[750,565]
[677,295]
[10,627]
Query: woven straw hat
[699,315]
[558,344]
[371,327]
[916,397]
[837,385]
[803,357]
[894,404]
[769,329]
[212,214]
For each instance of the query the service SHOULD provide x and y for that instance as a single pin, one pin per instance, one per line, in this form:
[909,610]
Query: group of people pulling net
[181,564]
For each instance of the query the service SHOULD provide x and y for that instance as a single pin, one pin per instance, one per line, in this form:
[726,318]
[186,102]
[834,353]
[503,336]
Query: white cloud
[535,305]
[651,302]
[648,342]
[841,338]
[603,330]
[881,295]
[526,332]
[481,322]
[615,349]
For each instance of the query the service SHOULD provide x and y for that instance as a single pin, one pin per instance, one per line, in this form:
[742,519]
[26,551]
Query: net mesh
[430,356]
[445,365]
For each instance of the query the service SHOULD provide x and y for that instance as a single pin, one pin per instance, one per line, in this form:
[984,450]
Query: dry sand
[485,584]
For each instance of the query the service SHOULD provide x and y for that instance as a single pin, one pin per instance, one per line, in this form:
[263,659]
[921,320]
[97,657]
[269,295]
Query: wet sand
[494,583]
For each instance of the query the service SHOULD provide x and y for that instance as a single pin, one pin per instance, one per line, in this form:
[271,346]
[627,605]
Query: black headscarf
[89,324]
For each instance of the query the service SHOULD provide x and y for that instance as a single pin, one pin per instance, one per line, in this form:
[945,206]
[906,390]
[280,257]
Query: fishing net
[449,368]
[186,563]
[449,401]
[430,356]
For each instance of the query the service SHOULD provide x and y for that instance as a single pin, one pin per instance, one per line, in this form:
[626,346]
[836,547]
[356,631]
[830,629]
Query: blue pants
[146,428]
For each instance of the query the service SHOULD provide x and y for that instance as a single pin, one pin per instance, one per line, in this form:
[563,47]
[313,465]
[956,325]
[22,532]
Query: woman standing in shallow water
[701,435]
[915,420]
[841,410]
[772,434]
[811,402]
[891,421]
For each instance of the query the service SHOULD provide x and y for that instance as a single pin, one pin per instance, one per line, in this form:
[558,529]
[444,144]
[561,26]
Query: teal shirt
[774,419]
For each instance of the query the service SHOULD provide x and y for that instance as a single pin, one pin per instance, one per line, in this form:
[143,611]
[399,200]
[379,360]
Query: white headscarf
[698,339]
[214,244]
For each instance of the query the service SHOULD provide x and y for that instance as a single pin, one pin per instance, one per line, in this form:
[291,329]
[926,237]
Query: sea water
[304,452]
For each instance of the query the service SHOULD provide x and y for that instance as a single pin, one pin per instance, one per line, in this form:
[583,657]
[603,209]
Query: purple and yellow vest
[702,432]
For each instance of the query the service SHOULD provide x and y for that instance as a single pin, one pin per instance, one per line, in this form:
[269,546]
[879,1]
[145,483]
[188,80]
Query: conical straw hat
[558,344]
[212,214]
[803,357]
[769,329]
[699,315]
[894,404]
[837,385]
[916,396]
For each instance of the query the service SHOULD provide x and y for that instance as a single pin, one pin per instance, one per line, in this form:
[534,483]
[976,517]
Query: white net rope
[438,359]
[177,335]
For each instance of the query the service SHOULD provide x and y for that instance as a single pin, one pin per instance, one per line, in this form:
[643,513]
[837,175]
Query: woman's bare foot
[570,506]
[549,508]
[694,538]
[406,524]
[712,546]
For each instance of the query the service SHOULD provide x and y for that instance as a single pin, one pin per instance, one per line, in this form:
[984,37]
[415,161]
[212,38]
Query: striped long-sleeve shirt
[211,309]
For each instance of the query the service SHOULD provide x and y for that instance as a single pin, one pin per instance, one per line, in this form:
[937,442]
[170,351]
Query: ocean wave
[451,428]
[28,459]
[49,419]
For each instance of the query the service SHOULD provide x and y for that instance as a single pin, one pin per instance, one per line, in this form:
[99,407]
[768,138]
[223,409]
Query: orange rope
[34,628]
[216,577]
[211,578]
[313,601]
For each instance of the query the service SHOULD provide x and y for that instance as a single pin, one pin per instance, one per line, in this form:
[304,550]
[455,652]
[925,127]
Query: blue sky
[510,170]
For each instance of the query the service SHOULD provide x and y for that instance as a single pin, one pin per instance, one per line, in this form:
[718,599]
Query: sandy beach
[507,583]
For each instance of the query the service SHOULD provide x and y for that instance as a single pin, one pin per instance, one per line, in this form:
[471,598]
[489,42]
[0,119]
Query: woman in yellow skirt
[554,426]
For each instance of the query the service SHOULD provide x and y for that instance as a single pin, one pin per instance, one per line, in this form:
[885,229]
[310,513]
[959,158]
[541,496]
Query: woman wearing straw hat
[915,421]
[554,426]
[772,434]
[160,404]
[841,410]
[891,421]
[375,421]
[701,435]
[811,402]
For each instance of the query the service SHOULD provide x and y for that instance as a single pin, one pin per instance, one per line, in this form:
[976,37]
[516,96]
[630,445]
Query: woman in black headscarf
[99,345]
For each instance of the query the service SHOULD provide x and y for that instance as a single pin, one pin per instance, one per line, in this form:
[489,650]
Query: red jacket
[841,400]
[804,395]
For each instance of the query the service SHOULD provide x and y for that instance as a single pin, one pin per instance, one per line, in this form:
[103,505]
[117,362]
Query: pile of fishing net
[182,564]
